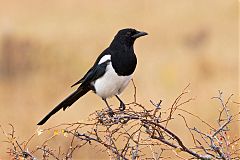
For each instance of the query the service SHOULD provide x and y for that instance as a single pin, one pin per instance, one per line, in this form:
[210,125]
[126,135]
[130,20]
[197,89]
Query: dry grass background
[45,46]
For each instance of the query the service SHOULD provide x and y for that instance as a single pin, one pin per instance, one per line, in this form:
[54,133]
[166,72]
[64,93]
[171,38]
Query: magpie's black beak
[139,34]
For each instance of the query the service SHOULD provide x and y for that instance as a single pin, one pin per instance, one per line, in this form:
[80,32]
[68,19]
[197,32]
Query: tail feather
[66,102]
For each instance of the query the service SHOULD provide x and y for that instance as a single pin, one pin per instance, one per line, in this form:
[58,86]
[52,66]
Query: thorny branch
[138,132]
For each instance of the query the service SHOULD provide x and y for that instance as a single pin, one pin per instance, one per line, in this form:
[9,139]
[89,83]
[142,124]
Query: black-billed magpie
[110,74]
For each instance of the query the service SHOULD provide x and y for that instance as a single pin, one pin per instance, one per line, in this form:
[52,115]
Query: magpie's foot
[110,112]
[122,106]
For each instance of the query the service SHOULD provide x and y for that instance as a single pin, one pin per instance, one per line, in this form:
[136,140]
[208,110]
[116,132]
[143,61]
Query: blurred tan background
[45,46]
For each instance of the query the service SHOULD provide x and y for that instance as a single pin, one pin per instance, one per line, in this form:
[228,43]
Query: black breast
[124,62]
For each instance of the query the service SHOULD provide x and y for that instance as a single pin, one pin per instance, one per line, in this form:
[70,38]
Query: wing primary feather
[97,71]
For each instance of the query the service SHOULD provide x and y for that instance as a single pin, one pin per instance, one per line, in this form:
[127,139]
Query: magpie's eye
[128,33]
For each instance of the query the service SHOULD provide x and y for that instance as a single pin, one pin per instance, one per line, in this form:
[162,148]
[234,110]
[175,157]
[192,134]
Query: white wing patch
[104,59]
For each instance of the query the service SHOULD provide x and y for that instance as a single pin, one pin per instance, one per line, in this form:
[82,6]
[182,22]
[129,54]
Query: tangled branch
[138,132]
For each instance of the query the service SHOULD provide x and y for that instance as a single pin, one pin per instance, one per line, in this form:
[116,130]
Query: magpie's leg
[122,105]
[109,108]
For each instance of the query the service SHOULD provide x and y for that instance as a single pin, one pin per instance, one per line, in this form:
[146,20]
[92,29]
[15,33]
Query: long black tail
[66,102]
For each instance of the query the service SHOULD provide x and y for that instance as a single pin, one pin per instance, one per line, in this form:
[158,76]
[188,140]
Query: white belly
[110,84]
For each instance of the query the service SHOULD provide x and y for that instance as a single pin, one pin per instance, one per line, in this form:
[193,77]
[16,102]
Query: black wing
[95,73]
[96,70]
[81,80]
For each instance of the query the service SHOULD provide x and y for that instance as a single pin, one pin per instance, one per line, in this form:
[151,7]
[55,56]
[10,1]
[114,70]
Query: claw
[110,112]
[122,106]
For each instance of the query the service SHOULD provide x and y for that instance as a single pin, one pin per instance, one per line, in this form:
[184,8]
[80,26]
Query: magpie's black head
[128,36]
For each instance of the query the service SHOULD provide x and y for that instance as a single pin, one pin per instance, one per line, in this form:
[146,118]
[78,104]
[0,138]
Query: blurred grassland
[45,46]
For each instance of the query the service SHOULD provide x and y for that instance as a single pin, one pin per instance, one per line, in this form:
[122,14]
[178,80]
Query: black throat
[123,58]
